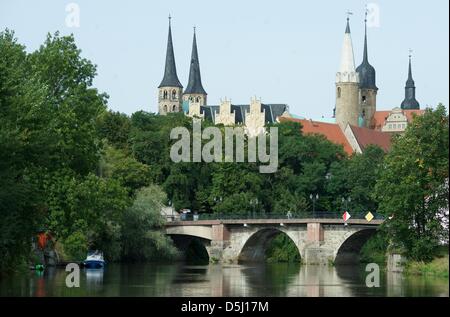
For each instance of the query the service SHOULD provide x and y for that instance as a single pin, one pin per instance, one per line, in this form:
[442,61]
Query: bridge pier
[220,240]
[316,250]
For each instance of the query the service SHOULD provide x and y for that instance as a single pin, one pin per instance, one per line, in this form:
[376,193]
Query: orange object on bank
[42,240]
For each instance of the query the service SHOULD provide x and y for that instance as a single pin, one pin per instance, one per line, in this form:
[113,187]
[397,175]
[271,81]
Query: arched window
[173,108]
[165,94]
[364,99]
[197,99]
[165,108]
[174,94]
[339,92]
[191,99]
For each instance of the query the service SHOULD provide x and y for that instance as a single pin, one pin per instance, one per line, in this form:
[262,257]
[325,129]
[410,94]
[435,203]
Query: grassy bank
[438,267]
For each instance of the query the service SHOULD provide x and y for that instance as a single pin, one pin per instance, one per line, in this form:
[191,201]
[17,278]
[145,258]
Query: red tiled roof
[331,131]
[365,137]
[380,117]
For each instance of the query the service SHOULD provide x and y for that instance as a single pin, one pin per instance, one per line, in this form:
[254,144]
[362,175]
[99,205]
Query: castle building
[357,122]
[253,117]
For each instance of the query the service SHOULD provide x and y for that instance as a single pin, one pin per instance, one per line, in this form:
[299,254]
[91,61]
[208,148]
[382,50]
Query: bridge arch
[203,232]
[192,241]
[194,249]
[255,247]
[349,247]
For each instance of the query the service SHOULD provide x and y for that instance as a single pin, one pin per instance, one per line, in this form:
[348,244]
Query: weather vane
[349,13]
[410,53]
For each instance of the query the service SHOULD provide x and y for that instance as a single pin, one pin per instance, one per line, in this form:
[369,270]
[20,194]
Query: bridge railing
[301,215]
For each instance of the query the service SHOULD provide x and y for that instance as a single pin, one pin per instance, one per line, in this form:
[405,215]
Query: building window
[174,94]
[165,94]
[165,108]
[173,108]
[339,92]
[364,99]
[197,99]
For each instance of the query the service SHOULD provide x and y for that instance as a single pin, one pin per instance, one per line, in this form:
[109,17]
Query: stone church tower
[347,85]
[368,87]
[194,92]
[170,89]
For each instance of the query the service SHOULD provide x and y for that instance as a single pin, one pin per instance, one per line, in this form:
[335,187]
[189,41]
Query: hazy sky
[281,51]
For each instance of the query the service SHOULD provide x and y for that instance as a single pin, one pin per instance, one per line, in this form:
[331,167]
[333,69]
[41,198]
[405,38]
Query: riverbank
[438,267]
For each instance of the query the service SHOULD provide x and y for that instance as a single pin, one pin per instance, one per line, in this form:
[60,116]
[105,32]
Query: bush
[374,250]
[76,246]
[282,249]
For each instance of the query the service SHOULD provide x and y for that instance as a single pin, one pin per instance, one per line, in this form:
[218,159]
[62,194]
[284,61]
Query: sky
[280,51]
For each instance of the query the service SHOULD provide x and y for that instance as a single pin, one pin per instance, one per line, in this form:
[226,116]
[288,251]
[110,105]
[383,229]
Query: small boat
[94,260]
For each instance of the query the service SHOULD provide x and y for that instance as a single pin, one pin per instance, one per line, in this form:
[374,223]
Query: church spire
[170,78]
[365,57]
[367,74]
[410,101]
[347,68]
[347,29]
[195,81]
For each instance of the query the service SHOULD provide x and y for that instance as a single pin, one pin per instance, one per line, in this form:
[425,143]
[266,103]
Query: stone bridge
[319,241]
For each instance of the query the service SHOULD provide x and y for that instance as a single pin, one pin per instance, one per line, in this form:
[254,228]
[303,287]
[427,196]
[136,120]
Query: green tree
[89,206]
[115,127]
[22,208]
[355,178]
[142,232]
[413,186]
[118,164]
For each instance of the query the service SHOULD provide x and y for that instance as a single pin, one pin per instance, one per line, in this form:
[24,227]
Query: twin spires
[410,101]
[170,78]
[347,71]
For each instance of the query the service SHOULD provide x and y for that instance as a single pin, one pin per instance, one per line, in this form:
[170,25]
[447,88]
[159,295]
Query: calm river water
[221,280]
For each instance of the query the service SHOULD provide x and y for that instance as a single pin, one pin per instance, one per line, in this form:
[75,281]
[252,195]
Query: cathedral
[356,122]
[193,100]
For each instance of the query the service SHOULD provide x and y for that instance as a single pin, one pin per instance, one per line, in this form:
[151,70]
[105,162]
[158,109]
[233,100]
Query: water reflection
[94,279]
[222,280]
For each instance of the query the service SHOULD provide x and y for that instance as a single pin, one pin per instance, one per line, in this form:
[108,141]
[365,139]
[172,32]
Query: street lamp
[314,198]
[346,201]
[218,200]
[253,203]
[171,209]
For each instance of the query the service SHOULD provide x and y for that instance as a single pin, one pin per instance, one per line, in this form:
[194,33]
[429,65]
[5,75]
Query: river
[221,280]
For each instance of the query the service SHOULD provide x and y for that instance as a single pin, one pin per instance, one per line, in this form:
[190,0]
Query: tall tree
[413,185]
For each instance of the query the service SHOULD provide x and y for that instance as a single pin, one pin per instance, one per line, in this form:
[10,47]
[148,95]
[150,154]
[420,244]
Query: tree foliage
[413,186]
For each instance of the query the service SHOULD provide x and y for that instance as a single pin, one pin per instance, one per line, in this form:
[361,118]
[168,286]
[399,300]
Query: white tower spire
[347,85]
[347,72]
